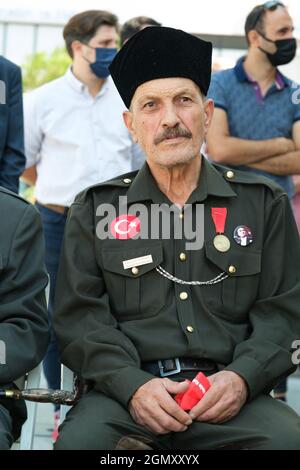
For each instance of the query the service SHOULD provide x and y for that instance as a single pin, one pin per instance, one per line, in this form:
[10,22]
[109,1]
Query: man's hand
[154,407]
[224,399]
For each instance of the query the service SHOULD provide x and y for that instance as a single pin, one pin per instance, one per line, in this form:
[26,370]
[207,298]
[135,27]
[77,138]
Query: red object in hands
[196,391]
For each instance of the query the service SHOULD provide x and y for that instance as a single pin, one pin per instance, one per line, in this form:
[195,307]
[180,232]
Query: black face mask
[286,51]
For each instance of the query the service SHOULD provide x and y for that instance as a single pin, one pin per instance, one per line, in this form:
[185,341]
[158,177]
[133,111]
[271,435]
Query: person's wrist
[244,385]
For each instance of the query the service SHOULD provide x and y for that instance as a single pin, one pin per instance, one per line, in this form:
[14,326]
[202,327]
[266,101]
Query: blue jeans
[53,227]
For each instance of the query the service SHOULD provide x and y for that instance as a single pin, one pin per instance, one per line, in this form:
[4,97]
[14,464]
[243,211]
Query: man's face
[278,24]
[105,36]
[169,118]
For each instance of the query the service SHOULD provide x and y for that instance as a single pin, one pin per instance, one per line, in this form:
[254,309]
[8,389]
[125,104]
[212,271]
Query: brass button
[190,329]
[127,180]
[135,271]
[230,175]
[232,269]
[181,215]
[182,257]
[183,296]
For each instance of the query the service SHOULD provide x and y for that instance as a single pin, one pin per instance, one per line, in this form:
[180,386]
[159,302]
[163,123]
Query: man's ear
[254,38]
[76,47]
[208,113]
[128,120]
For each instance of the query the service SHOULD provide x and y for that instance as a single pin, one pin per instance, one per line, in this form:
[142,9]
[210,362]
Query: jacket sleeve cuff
[125,383]
[251,371]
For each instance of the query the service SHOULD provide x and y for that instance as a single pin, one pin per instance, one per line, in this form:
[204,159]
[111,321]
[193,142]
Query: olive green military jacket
[109,319]
[24,331]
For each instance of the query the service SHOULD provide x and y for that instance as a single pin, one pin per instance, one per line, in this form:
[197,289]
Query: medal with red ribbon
[219,215]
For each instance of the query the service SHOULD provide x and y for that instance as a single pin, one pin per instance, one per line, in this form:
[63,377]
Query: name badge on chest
[134,262]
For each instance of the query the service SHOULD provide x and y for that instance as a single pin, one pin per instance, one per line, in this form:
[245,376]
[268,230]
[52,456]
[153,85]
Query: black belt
[166,367]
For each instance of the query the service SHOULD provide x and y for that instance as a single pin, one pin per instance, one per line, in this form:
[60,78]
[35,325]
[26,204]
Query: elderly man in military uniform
[137,316]
[23,314]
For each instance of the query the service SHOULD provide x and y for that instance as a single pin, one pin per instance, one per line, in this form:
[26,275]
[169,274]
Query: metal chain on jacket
[221,277]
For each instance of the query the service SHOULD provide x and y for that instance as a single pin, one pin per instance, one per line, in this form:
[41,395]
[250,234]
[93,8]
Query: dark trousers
[98,422]
[53,226]
[13,414]
[6,431]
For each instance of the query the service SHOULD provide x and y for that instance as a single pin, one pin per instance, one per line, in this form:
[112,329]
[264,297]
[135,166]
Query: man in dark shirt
[138,312]
[23,315]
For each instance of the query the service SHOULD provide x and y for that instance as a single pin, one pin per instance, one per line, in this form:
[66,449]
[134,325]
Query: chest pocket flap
[134,296]
[232,298]
[113,258]
[245,261]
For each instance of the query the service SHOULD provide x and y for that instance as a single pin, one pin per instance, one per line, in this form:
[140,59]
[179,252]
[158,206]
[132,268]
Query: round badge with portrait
[243,235]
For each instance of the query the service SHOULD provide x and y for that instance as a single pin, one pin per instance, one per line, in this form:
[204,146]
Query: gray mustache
[172,134]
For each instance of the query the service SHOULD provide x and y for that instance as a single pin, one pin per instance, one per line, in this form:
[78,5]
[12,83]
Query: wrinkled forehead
[165,87]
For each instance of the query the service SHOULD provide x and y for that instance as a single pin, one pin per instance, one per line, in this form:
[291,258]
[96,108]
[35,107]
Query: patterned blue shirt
[252,116]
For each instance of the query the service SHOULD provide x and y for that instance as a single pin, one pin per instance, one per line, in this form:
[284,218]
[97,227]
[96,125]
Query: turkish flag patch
[125,226]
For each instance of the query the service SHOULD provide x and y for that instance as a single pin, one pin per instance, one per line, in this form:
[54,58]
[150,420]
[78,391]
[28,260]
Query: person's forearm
[233,151]
[281,165]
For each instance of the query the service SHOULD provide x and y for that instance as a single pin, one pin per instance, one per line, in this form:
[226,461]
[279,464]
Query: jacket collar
[280,81]
[211,183]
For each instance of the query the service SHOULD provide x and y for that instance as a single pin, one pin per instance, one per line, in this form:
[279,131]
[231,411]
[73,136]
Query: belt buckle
[172,372]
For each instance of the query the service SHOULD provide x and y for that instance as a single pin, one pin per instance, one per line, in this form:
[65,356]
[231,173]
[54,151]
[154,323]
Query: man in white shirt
[75,137]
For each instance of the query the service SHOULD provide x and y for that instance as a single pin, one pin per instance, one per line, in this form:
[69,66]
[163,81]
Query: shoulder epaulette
[122,181]
[247,177]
